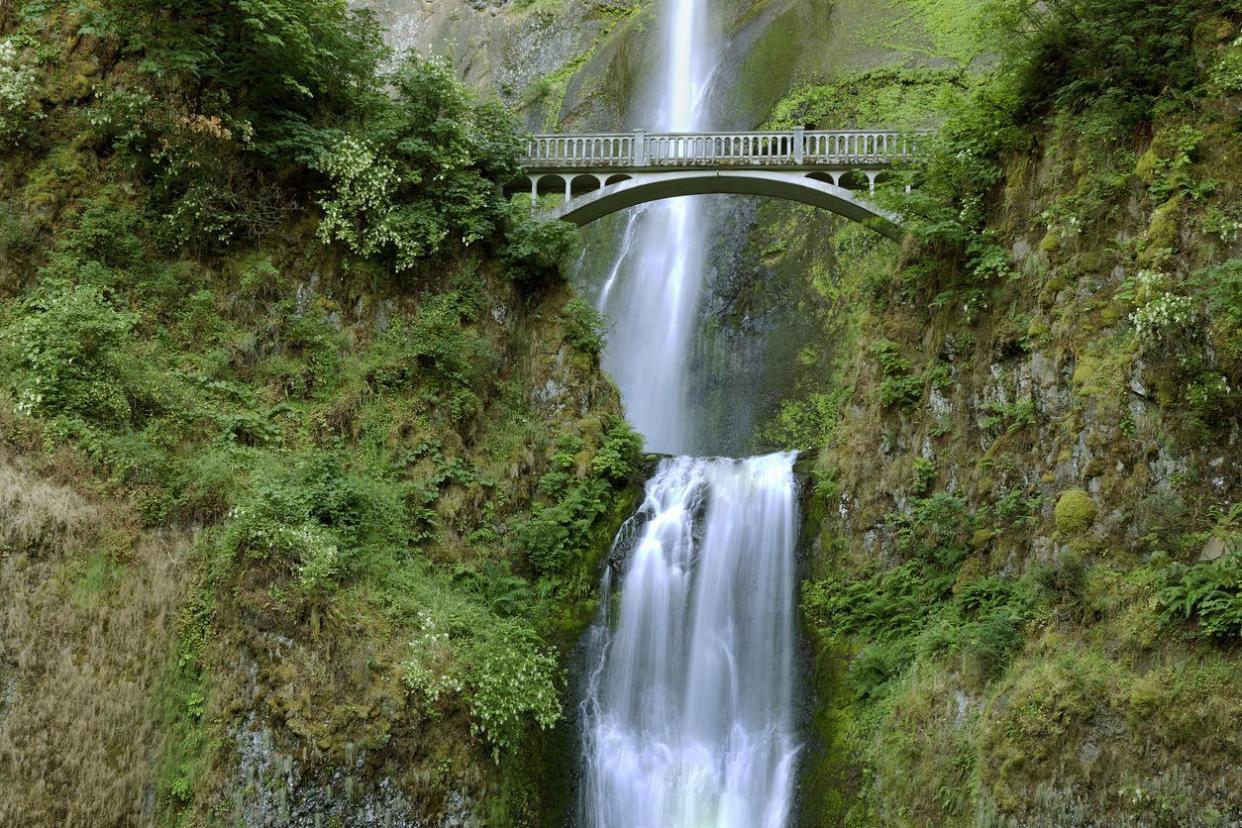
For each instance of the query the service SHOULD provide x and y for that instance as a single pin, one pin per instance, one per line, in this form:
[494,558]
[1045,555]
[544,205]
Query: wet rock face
[273,788]
[499,46]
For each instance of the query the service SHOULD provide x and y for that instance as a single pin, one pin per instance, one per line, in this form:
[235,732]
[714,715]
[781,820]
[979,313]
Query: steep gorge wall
[1002,476]
[275,518]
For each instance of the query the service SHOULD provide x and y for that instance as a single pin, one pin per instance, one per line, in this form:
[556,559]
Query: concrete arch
[548,183]
[790,186]
[585,183]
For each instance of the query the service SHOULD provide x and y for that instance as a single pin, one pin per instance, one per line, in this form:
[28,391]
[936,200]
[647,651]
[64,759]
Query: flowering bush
[1159,313]
[1162,317]
[514,683]
[362,212]
[17,85]
[423,173]
[432,671]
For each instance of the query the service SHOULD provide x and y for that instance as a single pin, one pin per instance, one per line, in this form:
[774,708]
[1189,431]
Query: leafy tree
[1079,53]
[272,63]
[422,170]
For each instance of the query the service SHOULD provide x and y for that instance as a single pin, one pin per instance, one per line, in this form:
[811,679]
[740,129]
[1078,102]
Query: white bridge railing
[788,148]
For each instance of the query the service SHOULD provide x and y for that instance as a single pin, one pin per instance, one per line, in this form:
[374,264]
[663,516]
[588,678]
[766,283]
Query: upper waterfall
[653,304]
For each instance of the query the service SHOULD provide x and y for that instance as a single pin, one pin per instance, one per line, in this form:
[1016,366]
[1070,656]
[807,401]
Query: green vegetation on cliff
[1023,526]
[308,464]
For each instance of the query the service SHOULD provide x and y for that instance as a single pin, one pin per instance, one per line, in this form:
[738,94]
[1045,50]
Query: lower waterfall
[687,717]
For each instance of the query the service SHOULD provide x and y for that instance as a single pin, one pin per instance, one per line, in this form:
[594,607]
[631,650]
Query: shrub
[276,64]
[432,670]
[513,683]
[559,531]
[423,171]
[935,529]
[888,604]
[1222,286]
[17,87]
[534,249]
[897,387]
[583,325]
[74,345]
[1115,53]
[807,423]
[620,451]
[315,523]
[924,476]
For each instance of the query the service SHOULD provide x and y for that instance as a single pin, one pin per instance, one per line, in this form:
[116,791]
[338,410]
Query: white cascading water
[687,718]
[661,264]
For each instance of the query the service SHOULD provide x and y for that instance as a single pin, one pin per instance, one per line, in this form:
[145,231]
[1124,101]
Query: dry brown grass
[38,516]
[85,643]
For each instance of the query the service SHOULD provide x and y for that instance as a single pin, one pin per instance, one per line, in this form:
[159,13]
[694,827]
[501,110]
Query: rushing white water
[687,718]
[661,264]
[687,715]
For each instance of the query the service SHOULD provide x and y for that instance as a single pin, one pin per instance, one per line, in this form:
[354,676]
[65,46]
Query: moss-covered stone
[1074,512]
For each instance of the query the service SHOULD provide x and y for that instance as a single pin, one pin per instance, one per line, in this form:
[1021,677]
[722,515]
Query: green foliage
[584,326]
[888,604]
[497,665]
[897,388]
[514,686]
[897,98]
[438,348]
[620,451]
[924,477]
[1211,593]
[561,530]
[73,346]
[17,87]
[935,528]
[1222,287]
[1064,579]
[422,171]
[362,463]
[1009,417]
[534,248]
[316,522]
[899,614]
[1170,169]
[274,64]
[988,626]
[1115,53]
[291,89]
[806,423]
[430,673]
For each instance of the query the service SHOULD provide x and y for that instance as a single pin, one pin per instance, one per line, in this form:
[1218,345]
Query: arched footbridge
[602,173]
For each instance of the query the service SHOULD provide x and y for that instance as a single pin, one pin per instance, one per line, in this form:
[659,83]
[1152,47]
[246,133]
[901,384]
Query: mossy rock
[1075,511]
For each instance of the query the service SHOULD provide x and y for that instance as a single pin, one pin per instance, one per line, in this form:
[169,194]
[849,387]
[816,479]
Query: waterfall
[686,718]
[687,714]
[661,265]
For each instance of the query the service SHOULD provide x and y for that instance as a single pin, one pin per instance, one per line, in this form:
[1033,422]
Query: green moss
[1162,232]
[1074,512]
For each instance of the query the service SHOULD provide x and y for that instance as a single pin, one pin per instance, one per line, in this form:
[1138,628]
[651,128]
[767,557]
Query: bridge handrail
[796,147]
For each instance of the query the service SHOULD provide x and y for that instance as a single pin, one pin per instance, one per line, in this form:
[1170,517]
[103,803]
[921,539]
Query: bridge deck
[782,149]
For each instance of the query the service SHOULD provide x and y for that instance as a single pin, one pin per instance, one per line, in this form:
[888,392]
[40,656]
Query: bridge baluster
[797,147]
